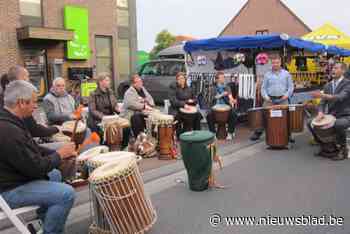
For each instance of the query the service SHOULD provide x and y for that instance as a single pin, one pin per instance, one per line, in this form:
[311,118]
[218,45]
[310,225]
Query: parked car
[157,75]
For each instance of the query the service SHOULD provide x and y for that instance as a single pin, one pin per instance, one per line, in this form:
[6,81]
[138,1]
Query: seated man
[181,96]
[223,95]
[336,97]
[35,129]
[59,106]
[28,176]
[102,102]
[137,100]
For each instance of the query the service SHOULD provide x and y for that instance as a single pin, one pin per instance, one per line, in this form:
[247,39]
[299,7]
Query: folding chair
[14,215]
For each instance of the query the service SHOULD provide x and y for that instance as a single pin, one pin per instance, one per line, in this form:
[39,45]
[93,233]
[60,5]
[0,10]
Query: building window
[262,32]
[31,12]
[122,3]
[123,57]
[103,54]
[123,17]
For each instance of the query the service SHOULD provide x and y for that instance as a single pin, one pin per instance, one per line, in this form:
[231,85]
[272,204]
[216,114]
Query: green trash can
[196,150]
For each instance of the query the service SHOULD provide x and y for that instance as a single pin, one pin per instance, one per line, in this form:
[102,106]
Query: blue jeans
[54,198]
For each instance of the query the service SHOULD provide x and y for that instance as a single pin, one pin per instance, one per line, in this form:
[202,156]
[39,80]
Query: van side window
[151,69]
[173,67]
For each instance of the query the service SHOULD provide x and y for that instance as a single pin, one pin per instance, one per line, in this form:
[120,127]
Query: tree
[164,39]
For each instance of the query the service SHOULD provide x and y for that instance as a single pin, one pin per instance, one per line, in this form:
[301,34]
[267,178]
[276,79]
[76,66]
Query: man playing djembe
[335,100]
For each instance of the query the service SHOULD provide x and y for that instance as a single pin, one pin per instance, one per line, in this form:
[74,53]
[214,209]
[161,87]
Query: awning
[329,35]
[42,33]
[253,42]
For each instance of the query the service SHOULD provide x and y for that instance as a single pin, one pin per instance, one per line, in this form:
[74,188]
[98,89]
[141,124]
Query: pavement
[260,183]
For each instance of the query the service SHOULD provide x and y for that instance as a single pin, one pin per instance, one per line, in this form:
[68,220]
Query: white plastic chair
[13,215]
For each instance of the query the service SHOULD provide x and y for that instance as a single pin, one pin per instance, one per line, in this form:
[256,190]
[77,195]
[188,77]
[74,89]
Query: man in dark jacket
[336,98]
[36,130]
[102,102]
[24,168]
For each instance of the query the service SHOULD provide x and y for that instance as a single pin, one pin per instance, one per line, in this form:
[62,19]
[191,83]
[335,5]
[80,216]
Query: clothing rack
[202,84]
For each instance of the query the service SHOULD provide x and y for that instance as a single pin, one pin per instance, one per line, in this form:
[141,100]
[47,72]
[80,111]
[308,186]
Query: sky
[207,18]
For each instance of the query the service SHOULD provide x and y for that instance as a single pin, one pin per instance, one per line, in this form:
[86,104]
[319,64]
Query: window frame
[41,15]
[111,58]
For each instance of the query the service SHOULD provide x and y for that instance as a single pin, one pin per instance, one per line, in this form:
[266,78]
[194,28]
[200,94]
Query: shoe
[342,154]
[325,154]
[230,136]
[255,136]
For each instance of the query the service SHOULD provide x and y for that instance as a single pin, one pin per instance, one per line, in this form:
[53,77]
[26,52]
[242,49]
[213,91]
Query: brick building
[44,36]
[265,17]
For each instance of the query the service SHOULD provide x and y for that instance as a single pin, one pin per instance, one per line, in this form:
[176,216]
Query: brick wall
[102,22]
[9,21]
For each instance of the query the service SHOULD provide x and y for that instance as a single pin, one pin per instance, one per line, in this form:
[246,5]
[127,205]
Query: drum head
[327,120]
[256,109]
[190,110]
[60,137]
[92,153]
[68,126]
[197,136]
[118,168]
[221,107]
[102,159]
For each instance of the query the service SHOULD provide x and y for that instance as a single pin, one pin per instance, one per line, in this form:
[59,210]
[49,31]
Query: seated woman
[223,95]
[181,96]
[137,100]
[102,102]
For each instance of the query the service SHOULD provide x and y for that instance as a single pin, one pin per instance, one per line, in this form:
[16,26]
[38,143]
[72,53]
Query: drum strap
[216,158]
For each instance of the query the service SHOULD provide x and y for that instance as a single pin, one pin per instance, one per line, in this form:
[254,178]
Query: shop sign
[77,19]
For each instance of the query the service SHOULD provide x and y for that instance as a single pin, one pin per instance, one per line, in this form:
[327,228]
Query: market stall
[244,60]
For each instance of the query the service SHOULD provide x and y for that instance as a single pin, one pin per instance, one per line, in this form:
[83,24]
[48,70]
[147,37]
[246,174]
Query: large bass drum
[119,189]
[277,131]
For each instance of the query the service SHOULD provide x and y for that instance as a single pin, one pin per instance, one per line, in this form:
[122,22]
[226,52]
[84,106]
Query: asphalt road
[263,183]
[260,183]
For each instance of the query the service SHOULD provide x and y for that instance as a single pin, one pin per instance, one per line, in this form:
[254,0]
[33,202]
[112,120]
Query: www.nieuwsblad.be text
[216,220]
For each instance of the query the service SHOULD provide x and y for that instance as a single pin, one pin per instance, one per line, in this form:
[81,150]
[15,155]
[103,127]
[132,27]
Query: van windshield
[163,68]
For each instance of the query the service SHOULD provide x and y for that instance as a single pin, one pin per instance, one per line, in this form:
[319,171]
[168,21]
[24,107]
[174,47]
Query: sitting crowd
[29,172]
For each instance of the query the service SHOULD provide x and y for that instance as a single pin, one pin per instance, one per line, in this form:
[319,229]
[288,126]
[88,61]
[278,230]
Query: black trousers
[232,121]
[341,125]
[138,123]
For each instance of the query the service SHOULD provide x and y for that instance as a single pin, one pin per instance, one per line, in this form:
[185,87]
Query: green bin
[196,153]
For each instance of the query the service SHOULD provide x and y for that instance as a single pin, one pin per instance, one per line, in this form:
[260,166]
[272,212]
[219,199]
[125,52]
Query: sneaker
[230,136]
[255,136]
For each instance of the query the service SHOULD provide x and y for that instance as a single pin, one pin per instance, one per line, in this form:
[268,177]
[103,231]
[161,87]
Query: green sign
[77,19]
[87,88]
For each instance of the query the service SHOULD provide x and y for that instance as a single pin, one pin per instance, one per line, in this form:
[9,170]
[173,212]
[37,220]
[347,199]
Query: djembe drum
[324,128]
[113,131]
[221,115]
[296,118]
[196,150]
[119,189]
[277,131]
[100,224]
[256,118]
[187,117]
[85,156]
[68,128]
[164,125]
[60,137]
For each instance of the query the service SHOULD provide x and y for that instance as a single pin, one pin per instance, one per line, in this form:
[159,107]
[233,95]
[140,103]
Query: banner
[77,19]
